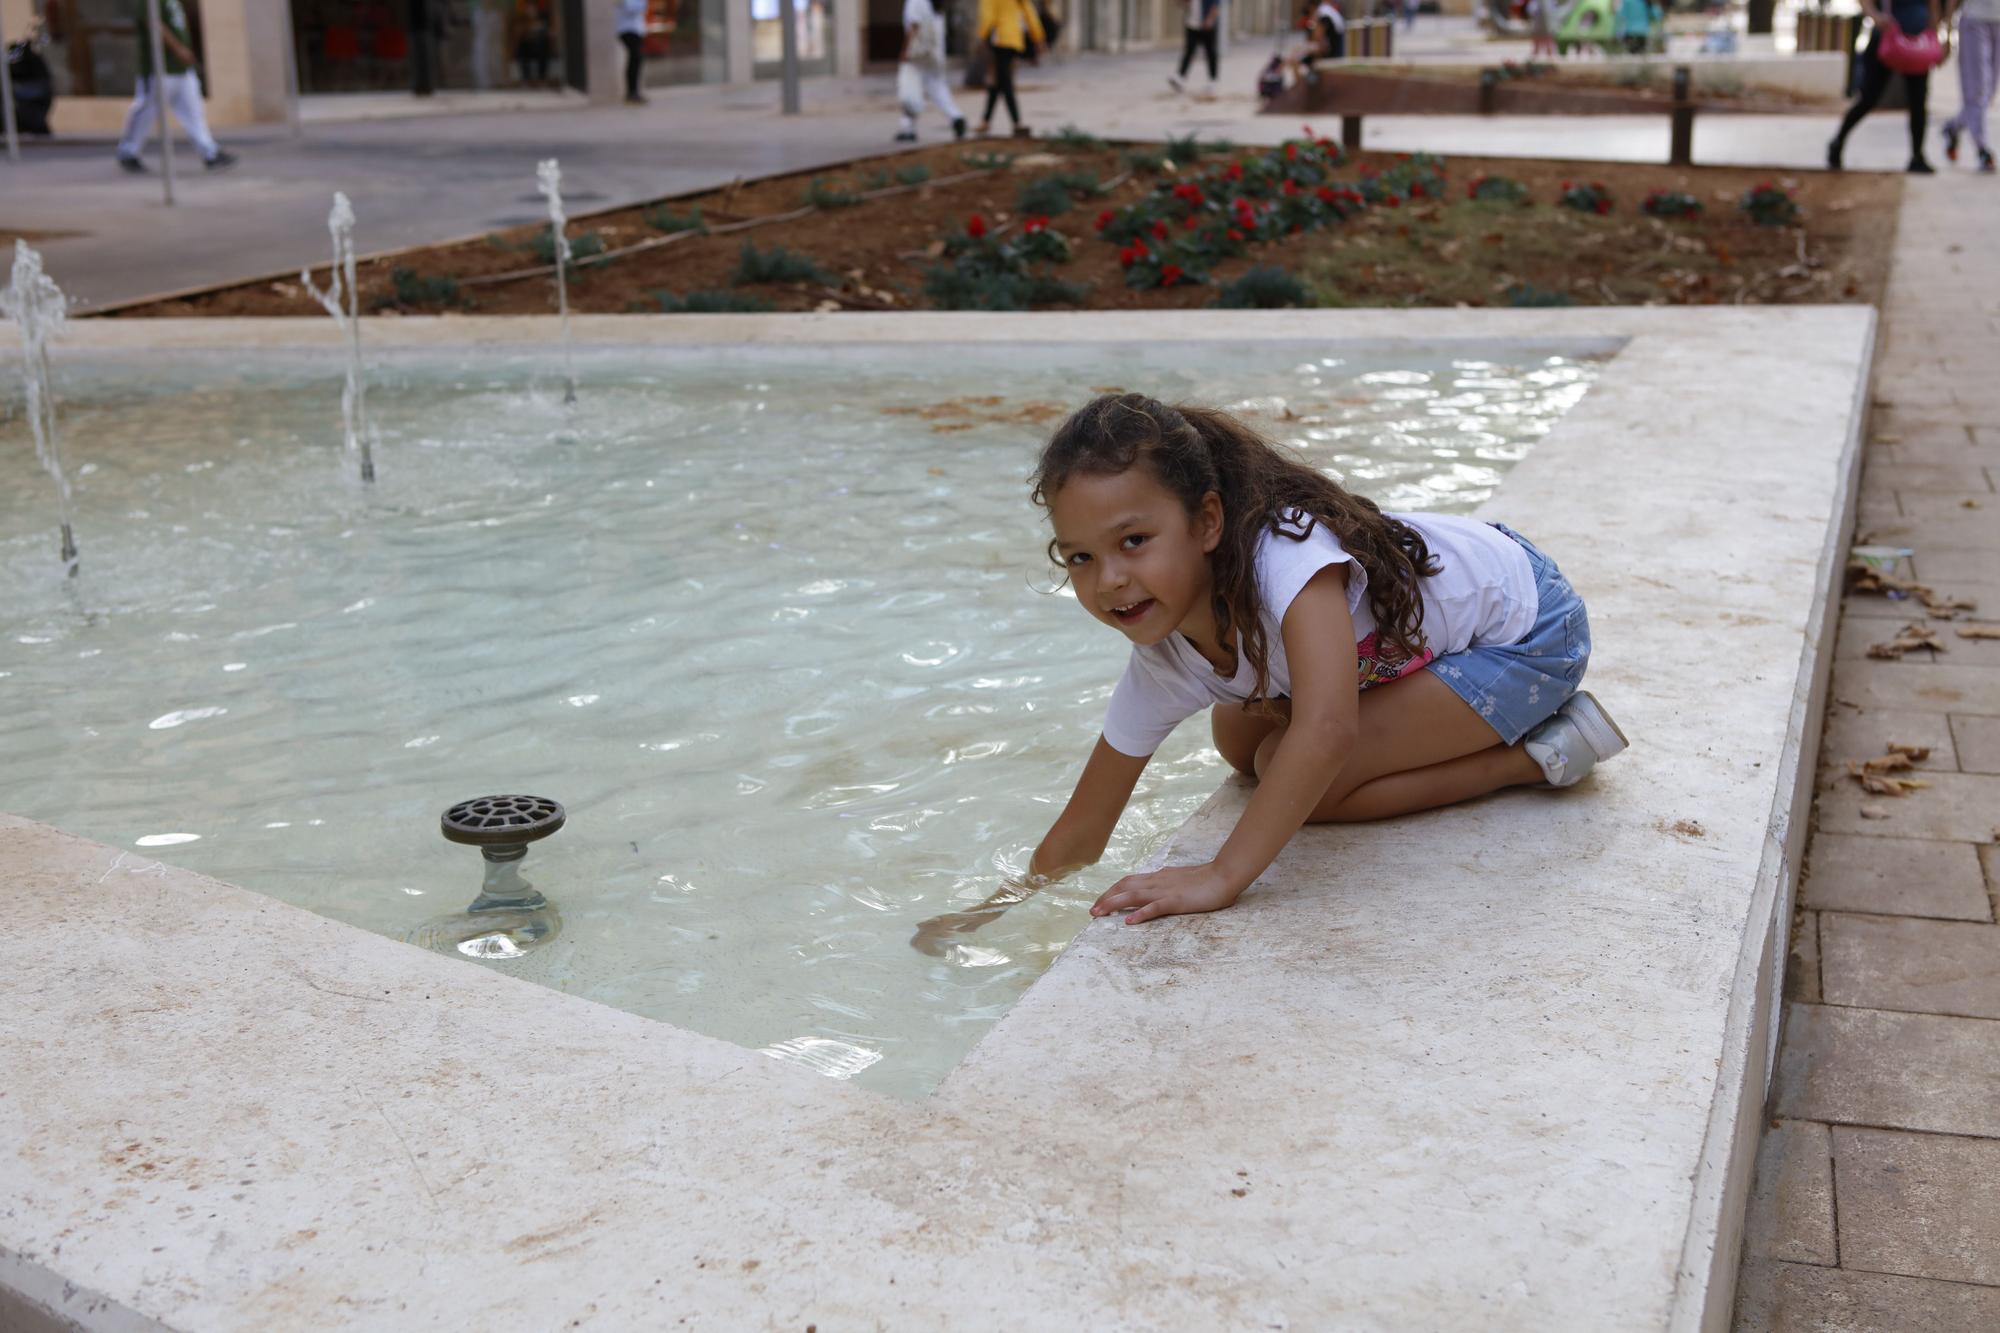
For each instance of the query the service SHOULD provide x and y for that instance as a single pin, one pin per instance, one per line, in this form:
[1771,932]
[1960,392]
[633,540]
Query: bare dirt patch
[1443,250]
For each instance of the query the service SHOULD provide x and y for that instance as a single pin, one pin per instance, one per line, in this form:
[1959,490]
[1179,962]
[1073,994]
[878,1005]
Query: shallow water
[791,656]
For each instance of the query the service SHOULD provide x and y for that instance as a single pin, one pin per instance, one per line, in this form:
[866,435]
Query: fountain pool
[775,625]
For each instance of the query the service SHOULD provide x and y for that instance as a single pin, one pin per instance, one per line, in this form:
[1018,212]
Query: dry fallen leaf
[1968,504]
[1916,752]
[1874,779]
[1908,639]
[1874,812]
[1979,631]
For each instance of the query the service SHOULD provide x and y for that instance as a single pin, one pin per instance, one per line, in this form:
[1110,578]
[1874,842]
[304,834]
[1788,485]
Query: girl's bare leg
[1420,746]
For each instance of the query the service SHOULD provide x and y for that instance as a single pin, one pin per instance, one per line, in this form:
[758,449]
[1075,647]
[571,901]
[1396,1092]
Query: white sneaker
[1577,739]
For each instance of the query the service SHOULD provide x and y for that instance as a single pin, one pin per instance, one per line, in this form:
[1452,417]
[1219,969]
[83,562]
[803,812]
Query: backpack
[1272,81]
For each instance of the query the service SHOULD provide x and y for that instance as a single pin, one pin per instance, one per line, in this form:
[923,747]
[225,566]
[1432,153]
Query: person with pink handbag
[1905,41]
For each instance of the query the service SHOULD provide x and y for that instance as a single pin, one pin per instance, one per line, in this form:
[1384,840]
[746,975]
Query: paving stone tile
[1938,564]
[1954,478]
[1956,807]
[1919,1205]
[1921,505]
[1778,1297]
[1989,862]
[1951,446]
[1802,963]
[1966,529]
[1791,1204]
[1943,687]
[1894,876]
[1910,964]
[1977,742]
[1898,1071]
[1864,735]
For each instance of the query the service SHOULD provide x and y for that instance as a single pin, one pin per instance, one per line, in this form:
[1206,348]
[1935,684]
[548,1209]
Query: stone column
[736,41]
[243,55]
[604,76]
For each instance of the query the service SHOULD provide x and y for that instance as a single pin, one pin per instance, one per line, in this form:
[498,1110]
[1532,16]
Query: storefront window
[347,46]
[685,41]
[767,37]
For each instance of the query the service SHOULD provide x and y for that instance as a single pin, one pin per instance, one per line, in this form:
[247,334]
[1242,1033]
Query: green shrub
[821,195]
[1670,204]
[1769,206]
[776,264]
[1527,294]
[1185,151]
[542,245]
[986,161]
[1497,190]
[914,174]
[420,289]
[970,284]
[1047,196]
[1265,287]
[1586,197]
[666,220]
[1146,161]
[711,303]
[1075,139]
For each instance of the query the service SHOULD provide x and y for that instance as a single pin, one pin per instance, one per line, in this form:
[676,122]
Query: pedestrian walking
[1542,29]
[632,36]
[1198,33]
[534,41]
[1978,60]
[1910,19]
[921,73]
[180,84]
[1011,30]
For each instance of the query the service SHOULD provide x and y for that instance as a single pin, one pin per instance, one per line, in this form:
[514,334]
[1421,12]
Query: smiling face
[1137,560]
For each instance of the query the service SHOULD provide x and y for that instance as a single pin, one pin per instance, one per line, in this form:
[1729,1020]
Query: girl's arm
[1077,839]
[1326,706]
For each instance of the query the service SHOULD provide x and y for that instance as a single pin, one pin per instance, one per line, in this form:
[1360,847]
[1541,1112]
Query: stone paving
[1875,1205]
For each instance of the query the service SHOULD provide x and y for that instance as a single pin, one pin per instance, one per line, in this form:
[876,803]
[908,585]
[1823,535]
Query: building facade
[523,47]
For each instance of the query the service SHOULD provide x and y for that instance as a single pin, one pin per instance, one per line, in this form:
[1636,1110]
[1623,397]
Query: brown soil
[1453,252]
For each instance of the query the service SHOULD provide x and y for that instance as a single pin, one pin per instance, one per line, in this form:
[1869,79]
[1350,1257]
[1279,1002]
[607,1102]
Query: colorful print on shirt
[1379,662]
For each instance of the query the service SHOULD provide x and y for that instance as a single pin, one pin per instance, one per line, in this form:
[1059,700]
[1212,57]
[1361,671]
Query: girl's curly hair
[1195,450]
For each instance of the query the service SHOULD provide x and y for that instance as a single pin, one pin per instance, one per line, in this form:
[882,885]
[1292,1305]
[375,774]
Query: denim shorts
[1514,686]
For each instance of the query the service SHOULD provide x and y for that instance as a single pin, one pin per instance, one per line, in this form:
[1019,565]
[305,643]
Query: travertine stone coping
[1493,1067]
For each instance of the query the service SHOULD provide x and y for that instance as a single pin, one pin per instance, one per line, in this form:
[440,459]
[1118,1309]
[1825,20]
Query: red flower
[1187,223]
[1472,190]
[1603,207]
[1104,219]
[975,226]
[1160,230]
[1416,189]
[1291,186]
[1235,171]
[1326,194]
[1565,187]
[1170,274]
[1391,201]
[1029,226]
[1128,255]
[1235,235]
[1291,152]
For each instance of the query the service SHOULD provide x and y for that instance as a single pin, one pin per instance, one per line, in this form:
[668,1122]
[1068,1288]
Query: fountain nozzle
[510,916]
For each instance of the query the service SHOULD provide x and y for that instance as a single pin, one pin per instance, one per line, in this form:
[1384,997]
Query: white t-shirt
[1483,593]
[631,18]
[1987,11]
[1331,13]
[928,44]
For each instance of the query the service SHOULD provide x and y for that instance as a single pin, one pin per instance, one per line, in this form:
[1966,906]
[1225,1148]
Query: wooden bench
[1355,95]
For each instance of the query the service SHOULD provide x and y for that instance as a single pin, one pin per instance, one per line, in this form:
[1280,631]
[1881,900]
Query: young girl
[1241,577]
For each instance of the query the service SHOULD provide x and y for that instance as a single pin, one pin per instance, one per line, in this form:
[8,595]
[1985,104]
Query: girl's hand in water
[1168,892]
[934,936]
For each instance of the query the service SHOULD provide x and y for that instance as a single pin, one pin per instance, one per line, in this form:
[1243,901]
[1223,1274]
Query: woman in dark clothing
[1912,17]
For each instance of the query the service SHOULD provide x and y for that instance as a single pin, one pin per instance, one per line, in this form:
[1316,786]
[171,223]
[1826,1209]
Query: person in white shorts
[921,74]
[181,85]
